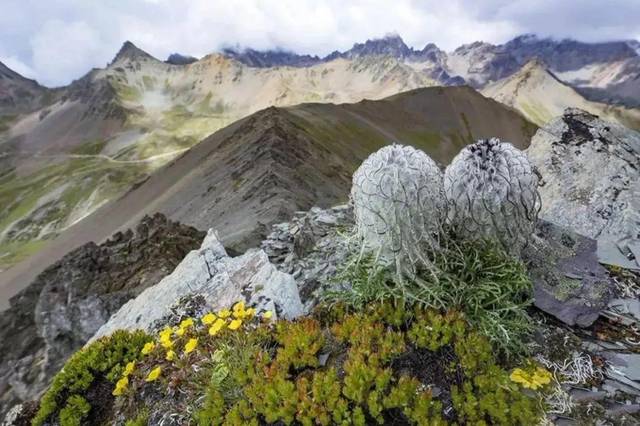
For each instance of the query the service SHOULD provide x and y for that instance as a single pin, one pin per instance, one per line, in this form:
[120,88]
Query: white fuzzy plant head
[492,190]
[399,206]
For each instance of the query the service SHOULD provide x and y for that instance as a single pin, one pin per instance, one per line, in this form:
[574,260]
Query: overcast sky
[56,41]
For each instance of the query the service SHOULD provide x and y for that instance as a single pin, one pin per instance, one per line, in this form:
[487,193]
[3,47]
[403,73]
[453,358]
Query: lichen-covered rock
[591,174]
[65,305]
[221,280]
[399,206]
[568,281]
[492,192]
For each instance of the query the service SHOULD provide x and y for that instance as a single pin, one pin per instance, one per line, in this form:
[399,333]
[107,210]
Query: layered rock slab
[221,280]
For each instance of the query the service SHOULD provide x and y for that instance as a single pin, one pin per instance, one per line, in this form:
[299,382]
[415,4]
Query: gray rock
[313,249]
[220,279]
[591,174]
[627,365]
[568,281]
[619,253]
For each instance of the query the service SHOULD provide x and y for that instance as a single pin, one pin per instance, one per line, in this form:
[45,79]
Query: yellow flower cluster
[190,346]
[121,385]
[237,315]
[531,379]
[216,322]
[184,325]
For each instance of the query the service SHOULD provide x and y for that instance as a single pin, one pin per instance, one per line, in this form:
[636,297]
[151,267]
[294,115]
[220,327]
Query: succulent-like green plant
[492,191]
[399,206]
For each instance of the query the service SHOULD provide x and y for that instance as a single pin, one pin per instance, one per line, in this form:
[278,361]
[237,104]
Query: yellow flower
[216,327]
[128,369]
[154,374]
[541,377]
[249,313]
[171,355]
[238,307]
[165,339]
[147,348]
[209,318]
[235,324]
[186,323]
[180,331]
[267,315]
[166,333]
[190,346]
[535,380]
[121,386]
[225,313]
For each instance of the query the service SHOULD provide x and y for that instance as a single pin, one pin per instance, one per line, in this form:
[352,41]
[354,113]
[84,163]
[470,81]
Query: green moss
[337,367]
[102,361]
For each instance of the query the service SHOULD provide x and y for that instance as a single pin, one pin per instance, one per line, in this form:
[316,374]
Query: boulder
[220,279]
[590,170]
[569,282]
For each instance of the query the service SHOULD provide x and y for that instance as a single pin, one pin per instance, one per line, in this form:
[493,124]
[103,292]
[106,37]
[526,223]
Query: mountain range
[67,153]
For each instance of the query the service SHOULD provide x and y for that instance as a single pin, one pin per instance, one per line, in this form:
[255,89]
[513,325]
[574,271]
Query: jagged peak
[269,58]
[179,59]
[391,44]
[129,52]
[525,38]
[472,46]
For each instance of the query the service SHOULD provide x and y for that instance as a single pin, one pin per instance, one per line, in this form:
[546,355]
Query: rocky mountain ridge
[580,65]
[60,310]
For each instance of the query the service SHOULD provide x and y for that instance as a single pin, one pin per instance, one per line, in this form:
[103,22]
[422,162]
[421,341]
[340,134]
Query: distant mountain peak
[130,51]
[269,58]
[178,59]
[390,44]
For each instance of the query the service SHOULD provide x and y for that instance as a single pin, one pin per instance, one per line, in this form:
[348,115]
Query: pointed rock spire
[130,51]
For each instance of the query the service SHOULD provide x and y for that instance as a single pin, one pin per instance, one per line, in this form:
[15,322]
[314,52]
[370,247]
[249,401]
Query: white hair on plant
[575,370]
[399,206]
[492,190]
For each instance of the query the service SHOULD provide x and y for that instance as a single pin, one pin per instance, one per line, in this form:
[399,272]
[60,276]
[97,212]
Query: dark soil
[438,370]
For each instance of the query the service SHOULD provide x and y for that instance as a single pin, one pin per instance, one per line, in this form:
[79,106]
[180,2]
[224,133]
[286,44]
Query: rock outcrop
[568,281]
[221,280]
[591,175]
[67,303]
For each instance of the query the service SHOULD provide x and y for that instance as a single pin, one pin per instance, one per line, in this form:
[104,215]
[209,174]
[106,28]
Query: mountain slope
[540,96]
[19,94]
[262,168]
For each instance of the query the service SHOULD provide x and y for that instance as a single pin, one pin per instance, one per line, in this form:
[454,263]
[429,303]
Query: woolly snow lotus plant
[399,206]
[492,191]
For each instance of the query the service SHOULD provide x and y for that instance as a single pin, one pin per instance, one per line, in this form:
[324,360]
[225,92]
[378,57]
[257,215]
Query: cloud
[60,40]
